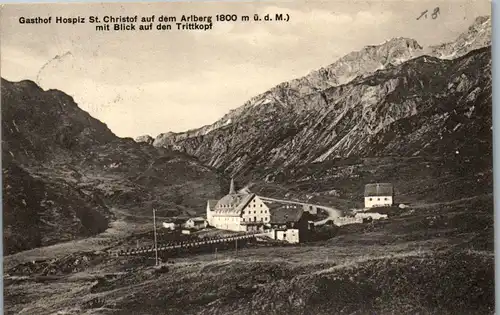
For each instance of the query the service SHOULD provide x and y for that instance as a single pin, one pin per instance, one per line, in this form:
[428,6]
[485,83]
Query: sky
[152,82]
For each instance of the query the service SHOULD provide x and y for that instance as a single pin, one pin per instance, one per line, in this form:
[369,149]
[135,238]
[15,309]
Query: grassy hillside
[430,259]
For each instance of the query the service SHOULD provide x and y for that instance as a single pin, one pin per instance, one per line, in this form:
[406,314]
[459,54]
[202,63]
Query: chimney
[231,188]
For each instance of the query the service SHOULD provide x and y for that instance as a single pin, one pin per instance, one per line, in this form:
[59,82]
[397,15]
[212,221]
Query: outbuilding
[379,195]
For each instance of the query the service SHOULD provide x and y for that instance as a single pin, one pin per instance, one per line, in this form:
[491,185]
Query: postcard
[271,157]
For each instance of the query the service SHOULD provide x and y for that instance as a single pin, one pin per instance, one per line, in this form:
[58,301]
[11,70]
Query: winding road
[332,212]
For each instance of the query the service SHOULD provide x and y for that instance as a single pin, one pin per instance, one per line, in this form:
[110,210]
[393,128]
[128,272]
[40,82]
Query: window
[386,198]
[310,207]
[243,219]
[255,219]
[284,235]
[261,205]
[378,199]
[370,199]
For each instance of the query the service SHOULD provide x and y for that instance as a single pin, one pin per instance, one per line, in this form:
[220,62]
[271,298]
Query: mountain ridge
[388,54]
[65,171]
[352,119]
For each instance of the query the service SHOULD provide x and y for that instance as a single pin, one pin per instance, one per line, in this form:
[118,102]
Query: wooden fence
[185,244]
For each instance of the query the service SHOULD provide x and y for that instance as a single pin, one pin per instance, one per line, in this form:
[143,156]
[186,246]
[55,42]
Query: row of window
[255,211]
[255,219]
[378,199]
[226,219]
[235,219]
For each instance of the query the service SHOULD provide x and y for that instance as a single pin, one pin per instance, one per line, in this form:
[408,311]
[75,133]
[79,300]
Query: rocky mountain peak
[145,138]
[477,35]
[283,97]
[481,21]
[367,60]
[393,47]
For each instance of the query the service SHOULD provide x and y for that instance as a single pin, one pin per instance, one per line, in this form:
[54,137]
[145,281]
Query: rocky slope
[304,98]
[425,106]
[64,171]
[146,138]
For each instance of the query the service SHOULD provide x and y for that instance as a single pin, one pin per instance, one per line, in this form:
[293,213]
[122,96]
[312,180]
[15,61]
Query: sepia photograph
[257,157]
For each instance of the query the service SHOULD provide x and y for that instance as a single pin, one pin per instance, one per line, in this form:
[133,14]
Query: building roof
[232,204]
[230,201]
[379,189]
[282,212]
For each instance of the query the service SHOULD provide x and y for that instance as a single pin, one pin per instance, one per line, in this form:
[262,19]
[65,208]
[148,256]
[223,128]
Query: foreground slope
[432,259]
[64,170]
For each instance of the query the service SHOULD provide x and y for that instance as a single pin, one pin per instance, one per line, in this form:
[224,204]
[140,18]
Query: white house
[289,235]
[196,223]
[379,195]
[173,223]
[169,225]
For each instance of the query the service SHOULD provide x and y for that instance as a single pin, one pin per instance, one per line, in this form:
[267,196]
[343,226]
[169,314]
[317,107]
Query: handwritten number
[434,15]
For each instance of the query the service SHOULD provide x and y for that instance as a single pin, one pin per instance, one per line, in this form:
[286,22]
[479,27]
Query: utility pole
[154,229]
